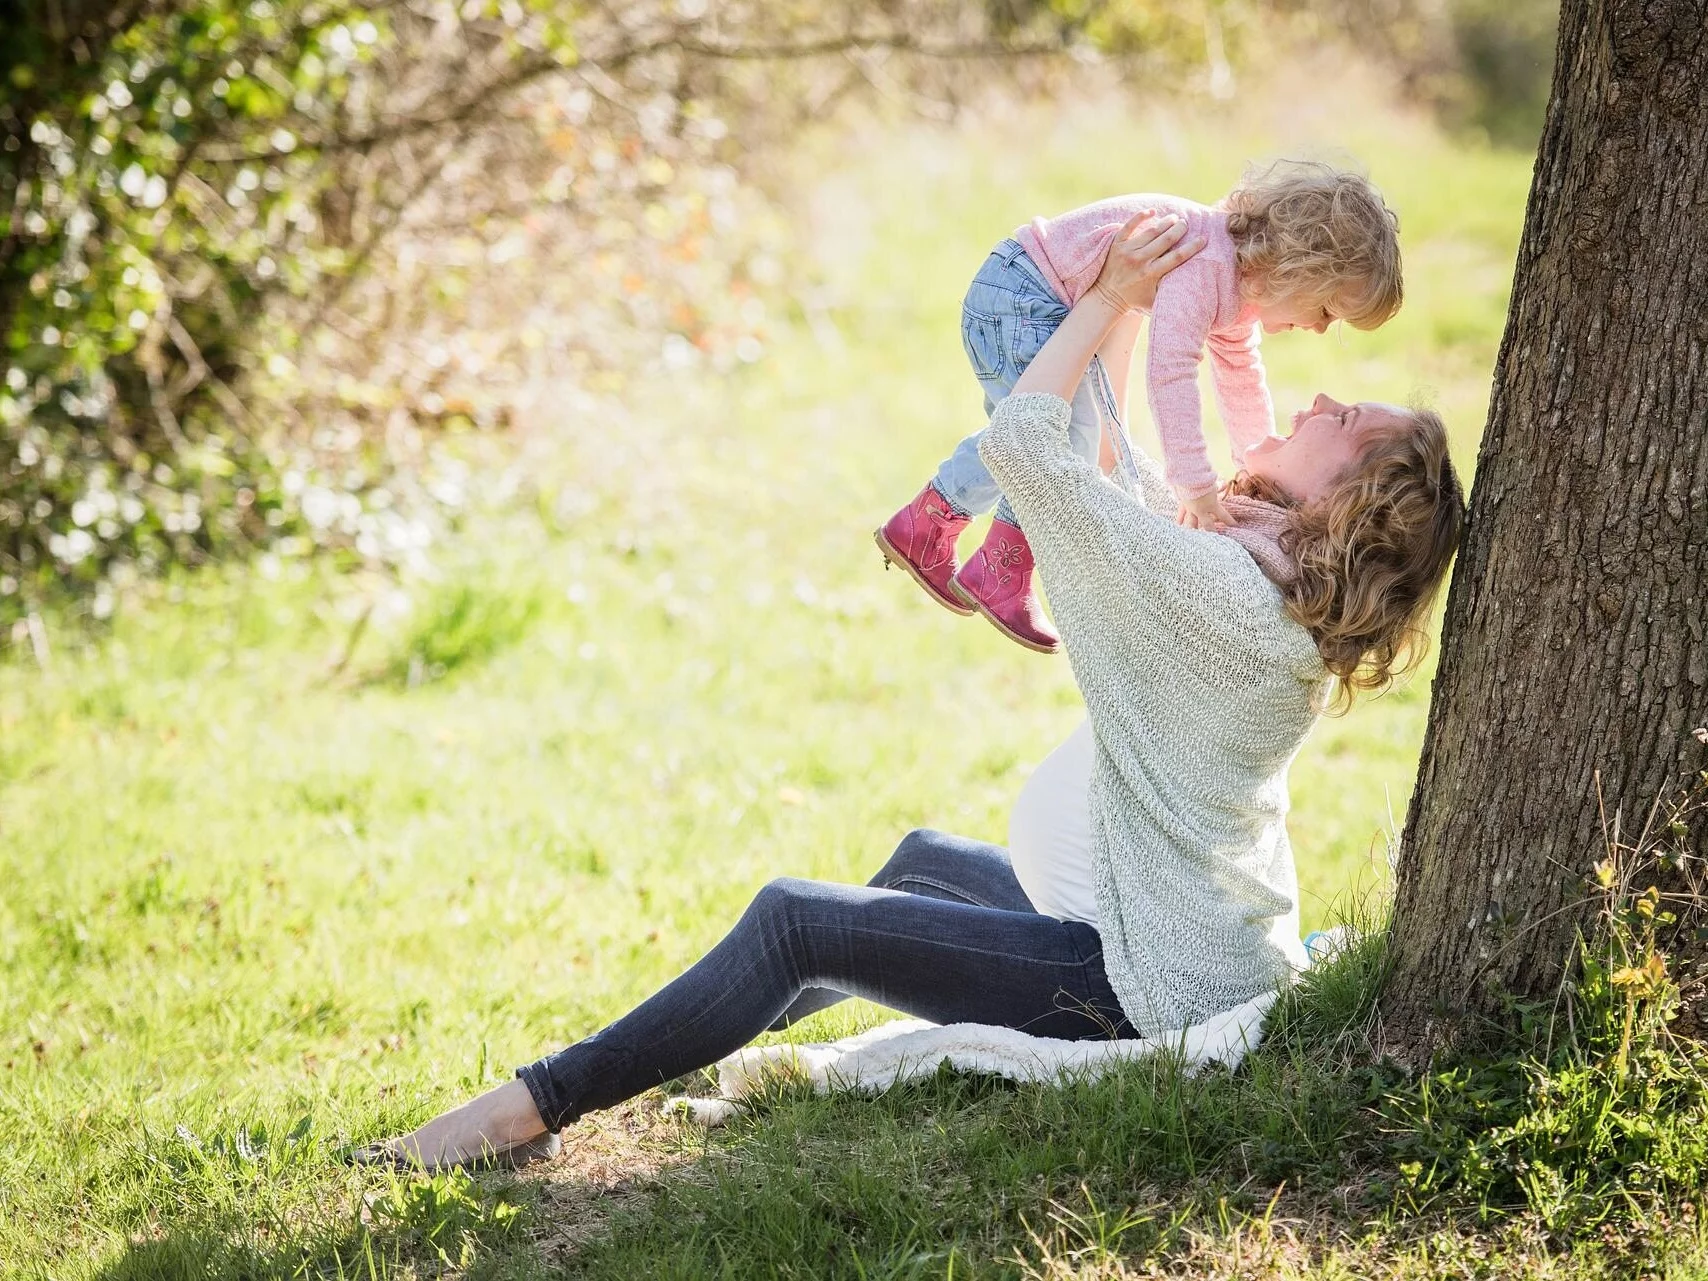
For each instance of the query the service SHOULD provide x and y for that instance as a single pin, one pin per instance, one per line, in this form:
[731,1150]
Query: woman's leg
[937,865]
[937,959]
[925,865]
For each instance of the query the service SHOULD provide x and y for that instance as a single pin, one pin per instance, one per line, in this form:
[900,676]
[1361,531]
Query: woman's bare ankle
[514,1103]
[496,1119]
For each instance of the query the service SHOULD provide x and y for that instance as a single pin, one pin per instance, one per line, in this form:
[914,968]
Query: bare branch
[899,41]
[534,67]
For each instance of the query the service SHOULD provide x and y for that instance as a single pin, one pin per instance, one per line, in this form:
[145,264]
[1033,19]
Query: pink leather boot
[997,581]
[921,539]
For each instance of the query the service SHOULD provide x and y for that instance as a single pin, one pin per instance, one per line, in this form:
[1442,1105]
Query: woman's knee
[919,851]
[786,903]
[787,920]
[776,897]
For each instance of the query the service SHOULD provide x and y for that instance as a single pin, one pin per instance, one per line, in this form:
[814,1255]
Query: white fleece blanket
[908,1048]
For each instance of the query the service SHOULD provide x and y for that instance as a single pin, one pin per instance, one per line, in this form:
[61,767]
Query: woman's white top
[1049,832]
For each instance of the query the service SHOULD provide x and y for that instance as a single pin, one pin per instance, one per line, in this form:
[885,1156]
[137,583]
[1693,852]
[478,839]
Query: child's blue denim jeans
[1009,313]
[943,932]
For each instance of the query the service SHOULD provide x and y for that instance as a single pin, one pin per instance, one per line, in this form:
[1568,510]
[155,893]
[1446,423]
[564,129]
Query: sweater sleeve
[1100,549]
[1185,310]
[1242,393]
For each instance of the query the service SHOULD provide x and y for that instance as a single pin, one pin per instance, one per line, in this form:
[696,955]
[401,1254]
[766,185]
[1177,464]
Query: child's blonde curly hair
[1305,230]
[1372,553]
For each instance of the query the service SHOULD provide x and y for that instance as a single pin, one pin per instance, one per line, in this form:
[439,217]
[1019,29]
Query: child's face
[1325,443]
[1294,313]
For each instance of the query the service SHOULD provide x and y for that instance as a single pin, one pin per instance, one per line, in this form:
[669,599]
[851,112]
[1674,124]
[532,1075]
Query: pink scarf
[1258,528]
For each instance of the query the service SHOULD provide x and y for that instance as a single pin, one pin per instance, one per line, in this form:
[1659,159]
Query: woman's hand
[1144,251]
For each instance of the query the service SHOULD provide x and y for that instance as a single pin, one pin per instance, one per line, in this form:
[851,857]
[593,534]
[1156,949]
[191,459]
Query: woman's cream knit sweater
[1200,691]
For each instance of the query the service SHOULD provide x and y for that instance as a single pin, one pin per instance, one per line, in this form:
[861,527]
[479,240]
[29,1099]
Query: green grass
[266,893]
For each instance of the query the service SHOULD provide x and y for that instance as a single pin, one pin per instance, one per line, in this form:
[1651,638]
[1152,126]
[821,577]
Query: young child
[1296,245]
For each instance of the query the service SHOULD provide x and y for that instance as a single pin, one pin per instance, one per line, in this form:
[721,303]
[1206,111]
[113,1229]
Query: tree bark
[1576,635]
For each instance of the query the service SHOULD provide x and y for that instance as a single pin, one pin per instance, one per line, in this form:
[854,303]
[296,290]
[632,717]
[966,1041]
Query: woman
[1161,890]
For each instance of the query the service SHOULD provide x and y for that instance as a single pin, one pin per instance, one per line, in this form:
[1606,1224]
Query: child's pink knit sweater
[1197,307]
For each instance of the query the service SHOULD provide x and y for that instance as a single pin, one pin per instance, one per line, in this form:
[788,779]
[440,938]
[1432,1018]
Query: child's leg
[962,479]
[1006,317]
[1008,313]
[997,581]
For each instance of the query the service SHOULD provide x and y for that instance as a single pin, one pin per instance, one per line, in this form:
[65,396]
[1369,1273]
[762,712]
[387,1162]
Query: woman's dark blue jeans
[944,932]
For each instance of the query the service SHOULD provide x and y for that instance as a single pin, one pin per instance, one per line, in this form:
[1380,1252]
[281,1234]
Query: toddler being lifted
[1296,245]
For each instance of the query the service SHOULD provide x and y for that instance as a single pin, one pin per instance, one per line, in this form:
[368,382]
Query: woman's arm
[1116,353]
[1058,368]
[1122,576]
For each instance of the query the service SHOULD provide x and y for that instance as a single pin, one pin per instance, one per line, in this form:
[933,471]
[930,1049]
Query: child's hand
[1144,251]
[1205,512]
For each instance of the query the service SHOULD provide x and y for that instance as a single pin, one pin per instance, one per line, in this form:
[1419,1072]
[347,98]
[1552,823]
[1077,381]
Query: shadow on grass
[413,1228]
[252,1206]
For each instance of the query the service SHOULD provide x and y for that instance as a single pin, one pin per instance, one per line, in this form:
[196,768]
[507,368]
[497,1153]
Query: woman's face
[1324,445]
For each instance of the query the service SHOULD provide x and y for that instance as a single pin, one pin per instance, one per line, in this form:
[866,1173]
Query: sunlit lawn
[245,892]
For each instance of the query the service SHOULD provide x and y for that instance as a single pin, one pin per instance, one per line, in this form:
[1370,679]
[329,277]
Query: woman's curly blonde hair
[1305,230]
[1372,553]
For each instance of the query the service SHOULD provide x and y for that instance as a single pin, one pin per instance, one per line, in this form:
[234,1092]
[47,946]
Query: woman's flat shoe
[512,1156]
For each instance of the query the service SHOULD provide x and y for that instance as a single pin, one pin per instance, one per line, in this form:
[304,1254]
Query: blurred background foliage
[288,275]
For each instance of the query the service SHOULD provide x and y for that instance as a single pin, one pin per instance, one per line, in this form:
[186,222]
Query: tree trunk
[1576,635]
